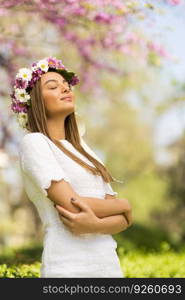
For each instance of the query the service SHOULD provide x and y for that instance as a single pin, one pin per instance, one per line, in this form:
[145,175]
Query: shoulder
[33,140]
[32,137]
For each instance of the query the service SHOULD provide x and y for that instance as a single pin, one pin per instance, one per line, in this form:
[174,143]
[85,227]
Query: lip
[67,98]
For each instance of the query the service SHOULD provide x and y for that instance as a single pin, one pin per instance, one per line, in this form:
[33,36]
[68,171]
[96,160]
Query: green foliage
[150,252]
[145,239]
[20,270]
[27,254]
[19,263]
[164,264]
[146,193]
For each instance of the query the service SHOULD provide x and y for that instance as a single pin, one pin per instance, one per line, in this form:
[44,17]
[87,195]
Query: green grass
[167,264]
[25,262]
[20,262]
[20,270]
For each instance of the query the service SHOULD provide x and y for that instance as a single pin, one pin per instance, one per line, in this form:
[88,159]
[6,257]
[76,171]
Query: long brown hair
[37,122]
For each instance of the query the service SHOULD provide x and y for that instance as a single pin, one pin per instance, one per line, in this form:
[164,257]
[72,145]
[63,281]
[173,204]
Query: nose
[64,90]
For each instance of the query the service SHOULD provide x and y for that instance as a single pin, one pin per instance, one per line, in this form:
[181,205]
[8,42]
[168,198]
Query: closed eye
[52,88]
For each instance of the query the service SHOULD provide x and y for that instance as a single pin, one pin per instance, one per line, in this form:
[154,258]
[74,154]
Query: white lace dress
[64,254]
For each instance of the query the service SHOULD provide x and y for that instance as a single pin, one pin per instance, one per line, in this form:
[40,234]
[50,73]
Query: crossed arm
[112,224]
[111,213]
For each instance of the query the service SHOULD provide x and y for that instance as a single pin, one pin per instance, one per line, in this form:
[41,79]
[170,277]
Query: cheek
[50,97]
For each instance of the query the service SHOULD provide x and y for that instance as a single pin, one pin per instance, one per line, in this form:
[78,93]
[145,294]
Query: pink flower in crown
[12,95]
[74,80]
[60,65]
[55,63]
[26,79]
[52,62]
[35,76]
[18,107]
[20,83]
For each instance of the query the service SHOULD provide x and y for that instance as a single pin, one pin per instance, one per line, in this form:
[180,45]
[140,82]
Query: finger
[65,212]
[83,206]
[128,217]
[129,214]
[65,221]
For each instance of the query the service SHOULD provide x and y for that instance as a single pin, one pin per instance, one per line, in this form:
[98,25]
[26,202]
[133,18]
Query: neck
[56,128]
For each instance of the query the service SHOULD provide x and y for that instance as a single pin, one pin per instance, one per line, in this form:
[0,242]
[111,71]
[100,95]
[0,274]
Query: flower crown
[26,79]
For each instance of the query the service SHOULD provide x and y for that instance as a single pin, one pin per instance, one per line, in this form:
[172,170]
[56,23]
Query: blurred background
[129,56]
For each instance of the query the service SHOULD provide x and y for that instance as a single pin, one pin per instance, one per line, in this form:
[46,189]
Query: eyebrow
[54,80]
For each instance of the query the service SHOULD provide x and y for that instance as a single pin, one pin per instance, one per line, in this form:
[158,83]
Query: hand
[128,217]
[79,223]
[127,214]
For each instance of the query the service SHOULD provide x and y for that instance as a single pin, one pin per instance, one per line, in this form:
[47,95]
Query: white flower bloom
[25,74]
[22,119]
[43,64]
[21,95]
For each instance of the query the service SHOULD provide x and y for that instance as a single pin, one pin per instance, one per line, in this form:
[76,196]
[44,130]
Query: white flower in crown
[25,74]
[43,65]
[22,119]
[21,95]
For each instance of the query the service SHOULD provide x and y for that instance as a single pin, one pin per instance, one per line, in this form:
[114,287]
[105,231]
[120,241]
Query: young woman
[64,178]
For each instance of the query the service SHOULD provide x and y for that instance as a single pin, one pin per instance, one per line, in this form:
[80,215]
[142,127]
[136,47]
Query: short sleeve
[38,161]
[108,188]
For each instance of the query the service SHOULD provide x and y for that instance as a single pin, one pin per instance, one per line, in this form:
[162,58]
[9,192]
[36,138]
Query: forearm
[106,207]
[112,224]
[61,192]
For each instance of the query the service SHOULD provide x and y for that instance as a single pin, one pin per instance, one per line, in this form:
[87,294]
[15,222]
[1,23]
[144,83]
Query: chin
[69,111]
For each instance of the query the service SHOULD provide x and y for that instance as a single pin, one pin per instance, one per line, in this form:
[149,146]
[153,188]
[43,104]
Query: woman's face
[55,89]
